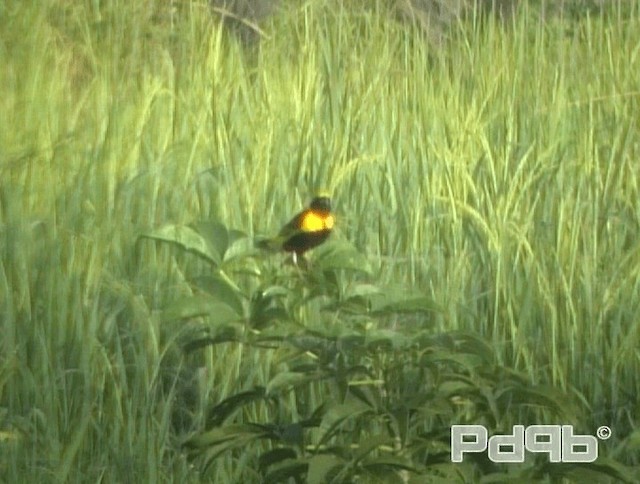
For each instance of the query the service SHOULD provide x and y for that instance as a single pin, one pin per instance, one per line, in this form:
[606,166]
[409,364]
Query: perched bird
[308,229]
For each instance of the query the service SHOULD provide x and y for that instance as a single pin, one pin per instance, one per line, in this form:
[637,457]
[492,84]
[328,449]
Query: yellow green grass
[496,174]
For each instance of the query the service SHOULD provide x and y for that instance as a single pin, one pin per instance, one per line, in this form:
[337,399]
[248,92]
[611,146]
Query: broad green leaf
[275,291]
[337,414]
[368,393]
[312,343]
[340,255]
[275,456]
[219,334]
[537,395]
[362,289]
[227,433]
[321,466]
[467,342]
[266,306]
[452,388]
[370,444]
[243,247]
[187,238]
[387,338]
[201,305]
[269,315]
[354,305]
[235,235]
[291,434]
[287,470]
[215,235]
[288,379]
[220,412]
[221,289]
[239,440]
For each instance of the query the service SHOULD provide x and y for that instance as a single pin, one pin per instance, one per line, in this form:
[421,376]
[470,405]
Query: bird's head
[321,203]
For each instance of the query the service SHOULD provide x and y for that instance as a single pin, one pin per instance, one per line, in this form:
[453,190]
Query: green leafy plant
[361,387]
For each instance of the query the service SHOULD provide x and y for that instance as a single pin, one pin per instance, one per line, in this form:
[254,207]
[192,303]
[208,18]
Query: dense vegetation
[485,268]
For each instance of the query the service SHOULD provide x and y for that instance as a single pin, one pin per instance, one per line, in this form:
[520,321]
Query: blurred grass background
[490,162]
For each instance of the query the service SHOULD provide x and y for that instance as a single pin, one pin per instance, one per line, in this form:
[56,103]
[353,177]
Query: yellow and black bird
[308,229]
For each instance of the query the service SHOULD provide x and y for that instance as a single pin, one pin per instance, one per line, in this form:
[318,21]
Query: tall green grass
[496,174]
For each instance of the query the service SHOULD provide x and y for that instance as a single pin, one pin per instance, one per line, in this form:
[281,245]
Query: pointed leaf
[243,247]
[362,289]
[226,407]
[201,305]
[370,444]
[215,235]
[289,379]
[219,435]
[220,288]
[340,255]
[321,467]
[224,334]
[275,456]
[290,469]
[188,239]
[336,415]
[387,338]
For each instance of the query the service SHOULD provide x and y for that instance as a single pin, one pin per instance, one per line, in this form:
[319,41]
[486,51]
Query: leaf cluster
[363,387]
